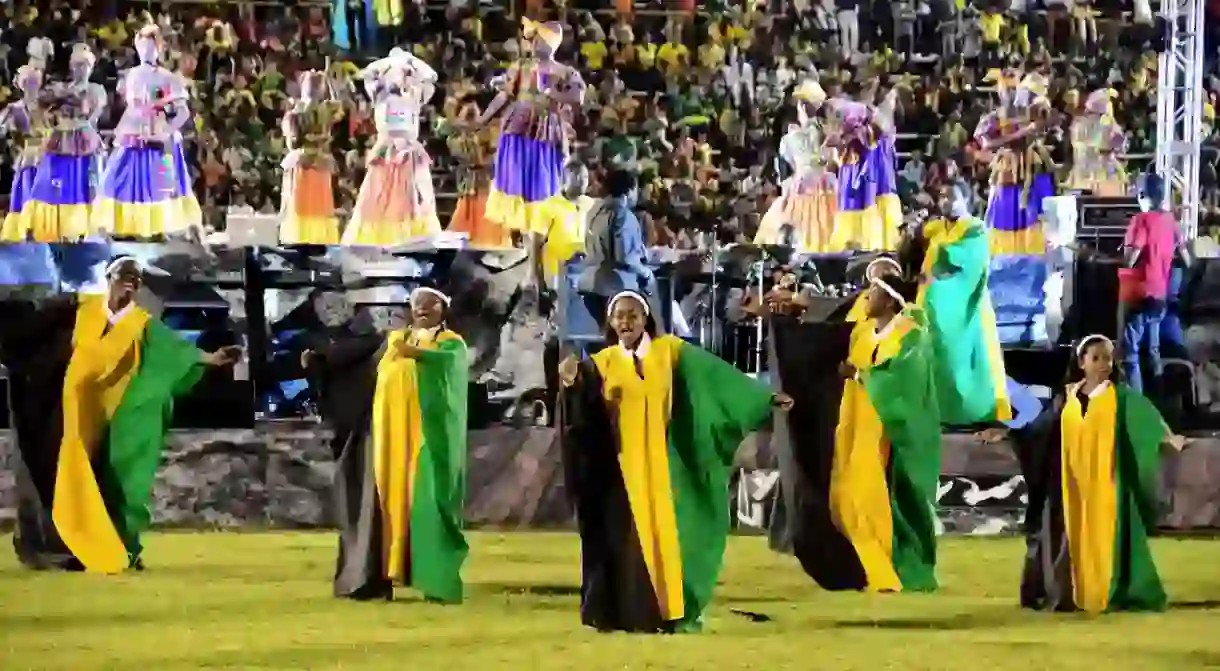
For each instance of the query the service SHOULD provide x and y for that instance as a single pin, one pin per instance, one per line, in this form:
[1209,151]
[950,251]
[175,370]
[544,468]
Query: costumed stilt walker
[540,95]
[397,406]
[92,381]
[307,199]
[651,425]
[968,364]
[61,199]
[1098,143]
[1021,172]
[804,213]
[869,212]
[1091,464]
[23,123]
[870,493]
[474,152]
[396,201]
[146,187]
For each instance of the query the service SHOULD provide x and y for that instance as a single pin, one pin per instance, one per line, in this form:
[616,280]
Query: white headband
[881,261]
[628,294]
[1090,339]
[891,291]
[120,262]
[429,290]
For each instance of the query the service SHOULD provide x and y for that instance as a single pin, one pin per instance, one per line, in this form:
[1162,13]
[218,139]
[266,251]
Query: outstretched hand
[569,368]
[782,401]
[225,356]
[1177,442]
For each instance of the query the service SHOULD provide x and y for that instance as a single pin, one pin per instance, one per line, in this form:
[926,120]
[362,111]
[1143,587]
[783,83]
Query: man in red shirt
[1153,241]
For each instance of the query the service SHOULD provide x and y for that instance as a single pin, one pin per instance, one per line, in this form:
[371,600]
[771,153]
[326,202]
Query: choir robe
[91,402]
[649,475]
[971,384]
[869,487]
[400,440]
[1092,467]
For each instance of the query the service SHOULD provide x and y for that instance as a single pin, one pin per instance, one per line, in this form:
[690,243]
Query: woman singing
[397,406]
[652,424]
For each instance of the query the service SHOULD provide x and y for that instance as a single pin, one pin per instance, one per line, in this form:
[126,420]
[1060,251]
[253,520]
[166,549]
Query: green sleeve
[169,367]
[970,253]
[714,407]
[1145,432]
[443,382]
[902,391]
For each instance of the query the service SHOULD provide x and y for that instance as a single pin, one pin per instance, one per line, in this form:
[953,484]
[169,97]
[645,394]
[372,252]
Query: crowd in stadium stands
[696,100]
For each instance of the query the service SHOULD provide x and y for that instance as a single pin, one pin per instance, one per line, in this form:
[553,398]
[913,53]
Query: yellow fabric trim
[859,492]
[296,230]
[98,373]
[563,241]
[397,436]
[388,12]
[995,360]
[873,228]
[146,220]
[859,310]
[516,214]
[389,233]
[1090,496]
[1027,242]
[643,419]
[44,222]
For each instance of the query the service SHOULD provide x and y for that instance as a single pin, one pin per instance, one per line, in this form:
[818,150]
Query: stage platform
[279,473]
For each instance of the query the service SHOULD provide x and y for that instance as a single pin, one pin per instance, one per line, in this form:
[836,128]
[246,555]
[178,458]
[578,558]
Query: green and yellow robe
[971,385]
[649,475]
[400,441]
[1091,463]
[869,484]
[91,401]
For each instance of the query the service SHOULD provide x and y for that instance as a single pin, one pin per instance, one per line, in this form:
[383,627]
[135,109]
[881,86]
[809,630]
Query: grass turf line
[262,601]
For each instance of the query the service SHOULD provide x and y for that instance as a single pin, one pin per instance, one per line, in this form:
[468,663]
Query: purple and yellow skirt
[396,202]
[307,205]
[57,207]
[146,193]
[14,227]
[1014,216]
[869,210]
[526,191]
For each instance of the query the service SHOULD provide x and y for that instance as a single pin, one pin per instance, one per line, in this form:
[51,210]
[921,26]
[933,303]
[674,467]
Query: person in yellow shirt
[991,25]
[594,53]
[646,55]
[674,57]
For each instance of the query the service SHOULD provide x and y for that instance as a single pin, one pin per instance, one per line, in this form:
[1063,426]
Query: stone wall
[279,474]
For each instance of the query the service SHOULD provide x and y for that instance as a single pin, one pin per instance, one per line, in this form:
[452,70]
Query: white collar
[641,348]
[1097,391]
[116,317]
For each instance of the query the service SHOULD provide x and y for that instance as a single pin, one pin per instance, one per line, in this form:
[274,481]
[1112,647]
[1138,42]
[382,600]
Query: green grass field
[262,601]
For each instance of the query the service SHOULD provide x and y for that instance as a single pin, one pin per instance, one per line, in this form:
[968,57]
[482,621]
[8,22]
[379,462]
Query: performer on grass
[807,203]
[396,201]
[59,203]
[652,424]
[869,212]
[307,199]
[23,123]
[540,95]
[474,152]
[397,405]
[92,382]
[1091,464]
[146,187]
[872,493]
[1021,169]
[971,385]
[1097,146]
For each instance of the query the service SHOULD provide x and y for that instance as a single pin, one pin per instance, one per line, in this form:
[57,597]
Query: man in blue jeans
[1152,244]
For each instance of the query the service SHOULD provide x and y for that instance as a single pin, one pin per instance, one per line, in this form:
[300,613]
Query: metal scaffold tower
[1179,113]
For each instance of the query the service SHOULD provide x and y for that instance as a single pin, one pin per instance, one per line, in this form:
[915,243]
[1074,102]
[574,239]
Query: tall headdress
[1099,103]
[29,78]
[1032,90]
[150,31]
[550,32]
